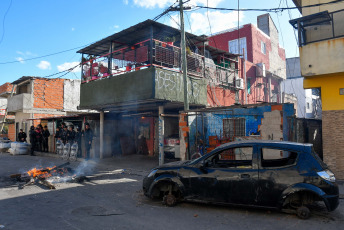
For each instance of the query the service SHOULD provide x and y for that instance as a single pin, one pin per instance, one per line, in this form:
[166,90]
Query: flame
[43,173]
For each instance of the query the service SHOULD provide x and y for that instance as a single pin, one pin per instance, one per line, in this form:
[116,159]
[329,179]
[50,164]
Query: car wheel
[303,212]
[169,200]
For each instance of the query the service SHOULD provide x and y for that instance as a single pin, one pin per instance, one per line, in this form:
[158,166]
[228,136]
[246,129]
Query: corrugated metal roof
[135,34]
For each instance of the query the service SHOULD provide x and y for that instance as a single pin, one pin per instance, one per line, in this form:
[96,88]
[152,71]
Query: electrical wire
[271,9]
[47,55]
[3,22]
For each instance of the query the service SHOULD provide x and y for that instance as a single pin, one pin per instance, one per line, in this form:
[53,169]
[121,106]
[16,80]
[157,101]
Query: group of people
[69,135]
[38,138]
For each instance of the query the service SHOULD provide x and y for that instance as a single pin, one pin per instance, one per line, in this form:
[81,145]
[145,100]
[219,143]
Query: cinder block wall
[48,93]
[333,141]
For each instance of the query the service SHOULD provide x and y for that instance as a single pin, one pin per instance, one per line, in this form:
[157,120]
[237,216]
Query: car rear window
[277,157]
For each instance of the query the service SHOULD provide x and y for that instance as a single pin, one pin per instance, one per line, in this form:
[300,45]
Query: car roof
[270,143]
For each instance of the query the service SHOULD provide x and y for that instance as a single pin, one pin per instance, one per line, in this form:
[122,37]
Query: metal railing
[319,27]
[161,54]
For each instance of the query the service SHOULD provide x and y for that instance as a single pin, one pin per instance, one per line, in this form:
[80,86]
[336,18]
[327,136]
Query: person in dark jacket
[78,140]
[36,141]
[71,135]
[22,136]
[63,134]
[32,139]
[88,136]
[57,134]
[45,136]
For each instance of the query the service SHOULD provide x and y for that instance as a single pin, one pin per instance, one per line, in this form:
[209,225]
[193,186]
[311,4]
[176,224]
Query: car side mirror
[203,166]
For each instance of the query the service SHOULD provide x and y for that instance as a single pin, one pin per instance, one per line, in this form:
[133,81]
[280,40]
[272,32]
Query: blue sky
[33,28]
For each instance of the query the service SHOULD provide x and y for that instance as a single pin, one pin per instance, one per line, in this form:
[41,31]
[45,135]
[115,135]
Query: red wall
[219,96]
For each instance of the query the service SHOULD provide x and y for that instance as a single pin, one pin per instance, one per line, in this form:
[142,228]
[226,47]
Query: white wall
[71,95]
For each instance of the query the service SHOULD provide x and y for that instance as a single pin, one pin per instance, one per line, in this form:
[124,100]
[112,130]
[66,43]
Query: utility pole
[184,62]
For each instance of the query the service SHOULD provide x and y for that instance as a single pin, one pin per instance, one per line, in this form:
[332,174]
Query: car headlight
[152,172]
[327,175]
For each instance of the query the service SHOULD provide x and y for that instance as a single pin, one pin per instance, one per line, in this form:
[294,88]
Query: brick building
[35,97]
[265,62]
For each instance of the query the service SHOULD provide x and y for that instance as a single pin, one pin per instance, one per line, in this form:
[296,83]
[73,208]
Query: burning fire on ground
[49,175]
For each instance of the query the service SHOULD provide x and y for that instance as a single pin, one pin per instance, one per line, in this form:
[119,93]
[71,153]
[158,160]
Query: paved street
[113,199]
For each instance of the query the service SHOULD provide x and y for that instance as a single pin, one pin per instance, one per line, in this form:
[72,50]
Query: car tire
[303,212]
[169,200]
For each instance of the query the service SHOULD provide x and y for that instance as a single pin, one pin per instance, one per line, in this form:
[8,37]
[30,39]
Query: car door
[228,176]
[277,171]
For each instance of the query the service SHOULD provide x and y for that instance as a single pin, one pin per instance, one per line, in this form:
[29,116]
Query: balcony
[321,38]
[149,69]
[164,55]
[20,103]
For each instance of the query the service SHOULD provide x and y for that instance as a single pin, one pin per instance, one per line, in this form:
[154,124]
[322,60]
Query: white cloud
[126,2]
[44,65]
[219,21]
[68,65]
[20,59]
[73,29]
[116,26]
[164,3]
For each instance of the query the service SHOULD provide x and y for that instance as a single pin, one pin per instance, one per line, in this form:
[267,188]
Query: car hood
[175,163]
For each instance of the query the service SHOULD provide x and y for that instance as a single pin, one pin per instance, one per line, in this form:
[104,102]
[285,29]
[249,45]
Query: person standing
[32,139]
[78,140]
[70,135]
[45,136]
[88,135]
[63,134]
[22,136]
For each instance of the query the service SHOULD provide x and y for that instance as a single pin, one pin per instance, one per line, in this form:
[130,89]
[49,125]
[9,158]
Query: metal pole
[161,135]
[245,78]
[270,88]
[82,67]
[184,64]
[101,136]
[6,111]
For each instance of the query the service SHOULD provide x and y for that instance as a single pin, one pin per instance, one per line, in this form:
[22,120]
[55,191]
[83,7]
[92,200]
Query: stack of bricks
[333,141]
[48,93]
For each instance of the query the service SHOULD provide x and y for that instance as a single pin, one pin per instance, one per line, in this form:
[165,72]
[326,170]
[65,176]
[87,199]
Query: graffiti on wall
[170,85]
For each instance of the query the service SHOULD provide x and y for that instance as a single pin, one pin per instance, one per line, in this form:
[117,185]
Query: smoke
[85,168]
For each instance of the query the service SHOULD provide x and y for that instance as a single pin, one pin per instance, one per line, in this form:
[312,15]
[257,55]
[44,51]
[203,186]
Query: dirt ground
[113,199]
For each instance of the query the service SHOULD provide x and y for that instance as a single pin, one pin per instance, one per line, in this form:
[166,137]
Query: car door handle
[245,175]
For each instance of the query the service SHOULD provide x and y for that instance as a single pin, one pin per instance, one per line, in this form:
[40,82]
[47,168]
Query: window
[240,157]
[277,158]
[263,47]
[233,46]
[248,86]
[234,127]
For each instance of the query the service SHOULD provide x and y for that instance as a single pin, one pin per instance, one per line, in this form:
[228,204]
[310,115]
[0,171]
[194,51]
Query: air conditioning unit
[239,83]
[260,70]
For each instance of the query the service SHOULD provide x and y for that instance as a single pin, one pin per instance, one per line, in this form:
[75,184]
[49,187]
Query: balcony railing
[319,27]
[154,53]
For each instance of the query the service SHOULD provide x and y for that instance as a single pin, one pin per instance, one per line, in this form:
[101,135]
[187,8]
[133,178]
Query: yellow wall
[317,9]
[330,85]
